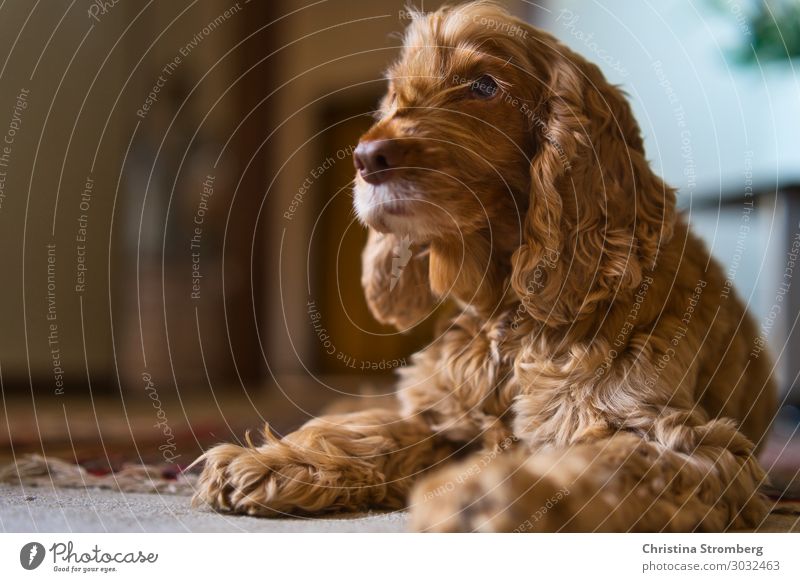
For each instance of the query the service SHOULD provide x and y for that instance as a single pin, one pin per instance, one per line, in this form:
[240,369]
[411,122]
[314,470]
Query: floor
[82,510]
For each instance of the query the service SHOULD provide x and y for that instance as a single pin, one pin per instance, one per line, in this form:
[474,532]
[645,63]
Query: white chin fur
[373,205]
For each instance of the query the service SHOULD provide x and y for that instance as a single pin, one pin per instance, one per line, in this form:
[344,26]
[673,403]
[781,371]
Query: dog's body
[597,375]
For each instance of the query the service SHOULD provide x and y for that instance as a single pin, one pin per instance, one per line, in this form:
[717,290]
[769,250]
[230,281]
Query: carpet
[49,509]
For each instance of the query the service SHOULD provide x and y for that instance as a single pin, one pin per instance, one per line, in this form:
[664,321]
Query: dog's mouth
[394,207]
[393,199]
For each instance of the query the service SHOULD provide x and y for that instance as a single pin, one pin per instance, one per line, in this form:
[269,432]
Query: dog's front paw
[501,496]
[256,481]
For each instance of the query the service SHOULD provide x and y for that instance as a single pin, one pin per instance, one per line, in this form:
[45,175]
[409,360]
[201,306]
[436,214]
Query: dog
[594,374]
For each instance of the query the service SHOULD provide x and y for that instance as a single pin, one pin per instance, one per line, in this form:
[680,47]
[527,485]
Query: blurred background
[180,260]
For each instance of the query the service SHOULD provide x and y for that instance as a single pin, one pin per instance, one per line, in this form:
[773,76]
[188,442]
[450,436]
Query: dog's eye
[484,87]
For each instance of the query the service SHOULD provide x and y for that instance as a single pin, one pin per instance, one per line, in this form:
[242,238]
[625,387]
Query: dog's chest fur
[488,380]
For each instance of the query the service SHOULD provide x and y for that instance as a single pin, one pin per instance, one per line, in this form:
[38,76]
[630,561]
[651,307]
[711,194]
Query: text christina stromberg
[702,549]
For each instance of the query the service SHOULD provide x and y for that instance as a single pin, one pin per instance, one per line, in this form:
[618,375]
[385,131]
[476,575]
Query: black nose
[376,159]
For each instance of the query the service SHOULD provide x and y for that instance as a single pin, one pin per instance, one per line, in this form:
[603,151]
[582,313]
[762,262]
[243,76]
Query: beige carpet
[46,509]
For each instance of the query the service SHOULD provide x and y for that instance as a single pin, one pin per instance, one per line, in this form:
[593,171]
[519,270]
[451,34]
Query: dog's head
[495,139]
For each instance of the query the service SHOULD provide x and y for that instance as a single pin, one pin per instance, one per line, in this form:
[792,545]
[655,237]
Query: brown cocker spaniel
[596,374]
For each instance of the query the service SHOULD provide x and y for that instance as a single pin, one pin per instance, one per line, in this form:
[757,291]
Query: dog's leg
[678,478]
[339,462]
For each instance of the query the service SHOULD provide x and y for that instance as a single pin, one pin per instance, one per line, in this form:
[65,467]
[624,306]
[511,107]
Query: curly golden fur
[596,374]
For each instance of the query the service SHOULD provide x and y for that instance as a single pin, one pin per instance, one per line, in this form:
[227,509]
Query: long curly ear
[597,214]
[395,280]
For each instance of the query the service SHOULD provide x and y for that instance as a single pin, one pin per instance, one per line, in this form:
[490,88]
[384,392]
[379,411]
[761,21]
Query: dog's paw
[256,481]
[501,496]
